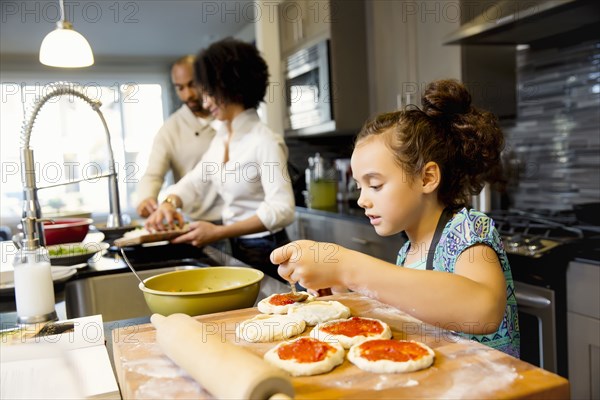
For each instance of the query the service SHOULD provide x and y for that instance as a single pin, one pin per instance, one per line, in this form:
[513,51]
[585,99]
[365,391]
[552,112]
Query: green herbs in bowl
[75,253]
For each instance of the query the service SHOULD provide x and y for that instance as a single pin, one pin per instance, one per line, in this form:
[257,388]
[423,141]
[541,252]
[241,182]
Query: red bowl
[66,230]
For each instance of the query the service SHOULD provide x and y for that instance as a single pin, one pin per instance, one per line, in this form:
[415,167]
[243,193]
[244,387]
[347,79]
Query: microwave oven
[308,91]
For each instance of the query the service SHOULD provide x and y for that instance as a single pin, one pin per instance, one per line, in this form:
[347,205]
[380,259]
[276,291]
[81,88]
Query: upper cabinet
[302,23]
[502,22]
[405,50]
[324,66]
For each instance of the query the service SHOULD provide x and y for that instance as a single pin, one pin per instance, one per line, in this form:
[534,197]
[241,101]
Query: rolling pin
[223,369]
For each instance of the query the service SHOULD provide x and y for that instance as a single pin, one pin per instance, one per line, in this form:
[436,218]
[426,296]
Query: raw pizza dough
[266,307]
[418,357]
[319,311]
[349,332]
[269,328]
[332,355]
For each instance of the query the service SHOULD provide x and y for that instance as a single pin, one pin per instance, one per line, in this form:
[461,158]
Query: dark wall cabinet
[354,235]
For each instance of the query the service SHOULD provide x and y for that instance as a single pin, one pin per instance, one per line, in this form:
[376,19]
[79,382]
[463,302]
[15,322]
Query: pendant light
[64,47]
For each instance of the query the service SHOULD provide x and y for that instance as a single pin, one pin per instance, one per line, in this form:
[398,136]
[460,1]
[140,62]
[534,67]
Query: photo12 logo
[28,93]
[54,172]
[126,12]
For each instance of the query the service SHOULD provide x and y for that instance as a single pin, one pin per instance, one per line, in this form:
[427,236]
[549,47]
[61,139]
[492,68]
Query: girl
[416,170]
[246,162]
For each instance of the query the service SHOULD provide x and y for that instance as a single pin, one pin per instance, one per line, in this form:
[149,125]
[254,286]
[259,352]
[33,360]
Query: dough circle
[333,358]
[320,311]
[389,366]
[269,328]
[349,341]
[265,307]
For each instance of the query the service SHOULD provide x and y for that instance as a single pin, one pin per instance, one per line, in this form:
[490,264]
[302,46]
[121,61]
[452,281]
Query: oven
[537,322]
[539,248]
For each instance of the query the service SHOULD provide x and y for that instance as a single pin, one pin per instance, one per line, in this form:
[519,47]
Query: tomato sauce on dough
[305,350]
[281,300]
[392,350]
[355,326]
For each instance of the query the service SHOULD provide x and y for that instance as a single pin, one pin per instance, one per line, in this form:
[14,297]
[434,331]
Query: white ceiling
[132,28]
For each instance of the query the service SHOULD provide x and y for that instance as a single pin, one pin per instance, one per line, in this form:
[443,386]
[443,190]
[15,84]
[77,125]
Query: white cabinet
[405,51]
[583,329]
[354,235]
[303,22]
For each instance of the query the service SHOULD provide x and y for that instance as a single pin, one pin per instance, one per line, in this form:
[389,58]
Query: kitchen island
[462,369]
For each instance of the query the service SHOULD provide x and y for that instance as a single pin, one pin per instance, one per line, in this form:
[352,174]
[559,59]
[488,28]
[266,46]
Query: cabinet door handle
[359,241]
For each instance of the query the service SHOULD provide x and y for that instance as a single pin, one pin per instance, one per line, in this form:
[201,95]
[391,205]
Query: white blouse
[254,181]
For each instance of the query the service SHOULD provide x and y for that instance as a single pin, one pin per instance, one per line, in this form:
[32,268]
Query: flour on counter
[477,379]
[385,383]
[165,388]
[155,367]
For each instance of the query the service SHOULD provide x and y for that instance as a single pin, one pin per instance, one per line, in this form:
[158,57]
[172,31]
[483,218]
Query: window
[69,143]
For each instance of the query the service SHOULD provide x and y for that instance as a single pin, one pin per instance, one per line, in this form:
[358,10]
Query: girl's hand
[201,233]
[315,265]
[164,219]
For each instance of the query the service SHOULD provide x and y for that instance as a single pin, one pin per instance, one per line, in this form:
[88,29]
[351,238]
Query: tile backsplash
[553,148]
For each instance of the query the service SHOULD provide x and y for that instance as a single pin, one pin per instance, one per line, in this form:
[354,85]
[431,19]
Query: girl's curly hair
[464,141]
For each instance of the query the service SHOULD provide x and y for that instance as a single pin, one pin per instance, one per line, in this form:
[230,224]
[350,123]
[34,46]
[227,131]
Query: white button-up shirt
[178,146]
[254,181]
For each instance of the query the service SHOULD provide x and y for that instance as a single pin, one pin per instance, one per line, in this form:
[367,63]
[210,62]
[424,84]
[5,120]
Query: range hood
[525,22]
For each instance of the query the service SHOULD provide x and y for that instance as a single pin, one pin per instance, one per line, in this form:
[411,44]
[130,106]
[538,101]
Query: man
[179,145]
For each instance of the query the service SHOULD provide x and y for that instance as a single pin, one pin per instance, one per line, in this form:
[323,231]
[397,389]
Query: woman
[246,162]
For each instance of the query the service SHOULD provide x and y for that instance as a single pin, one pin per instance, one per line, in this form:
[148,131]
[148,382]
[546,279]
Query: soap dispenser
[34,288]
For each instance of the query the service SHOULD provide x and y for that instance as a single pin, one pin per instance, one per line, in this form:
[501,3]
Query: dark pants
[256,251]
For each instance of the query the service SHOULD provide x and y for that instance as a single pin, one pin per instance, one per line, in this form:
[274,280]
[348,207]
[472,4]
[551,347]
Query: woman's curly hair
[232,71]
[464,141]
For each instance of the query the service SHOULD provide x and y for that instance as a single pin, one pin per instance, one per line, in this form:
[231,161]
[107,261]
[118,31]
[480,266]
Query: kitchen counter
[342,211]
[112,264]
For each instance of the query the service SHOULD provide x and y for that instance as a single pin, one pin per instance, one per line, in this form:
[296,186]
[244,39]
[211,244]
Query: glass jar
[34,288]
[321,184]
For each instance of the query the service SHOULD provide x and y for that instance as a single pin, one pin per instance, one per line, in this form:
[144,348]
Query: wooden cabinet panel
[303,22]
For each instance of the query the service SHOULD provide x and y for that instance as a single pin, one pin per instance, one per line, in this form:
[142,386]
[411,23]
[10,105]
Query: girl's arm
[470,300]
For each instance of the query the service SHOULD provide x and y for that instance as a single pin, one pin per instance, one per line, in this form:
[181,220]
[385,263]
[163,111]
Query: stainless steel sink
[115,296]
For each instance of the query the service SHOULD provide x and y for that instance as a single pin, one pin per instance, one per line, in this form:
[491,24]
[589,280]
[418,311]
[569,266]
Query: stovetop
[536,233]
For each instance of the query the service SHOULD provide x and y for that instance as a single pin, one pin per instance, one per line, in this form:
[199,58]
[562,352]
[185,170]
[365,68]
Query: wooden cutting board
[149,238]
[462,369]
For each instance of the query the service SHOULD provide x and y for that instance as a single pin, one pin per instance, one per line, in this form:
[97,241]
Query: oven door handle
[532,300]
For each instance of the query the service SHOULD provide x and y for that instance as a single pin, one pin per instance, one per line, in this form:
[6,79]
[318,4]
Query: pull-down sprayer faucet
[33,228]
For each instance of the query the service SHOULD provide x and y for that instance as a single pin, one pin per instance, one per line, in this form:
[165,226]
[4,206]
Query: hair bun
[445,98]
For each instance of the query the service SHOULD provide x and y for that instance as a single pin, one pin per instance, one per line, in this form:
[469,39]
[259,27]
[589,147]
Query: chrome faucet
[32,212]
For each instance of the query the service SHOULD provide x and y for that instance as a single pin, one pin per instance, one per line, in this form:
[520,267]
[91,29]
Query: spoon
[131,267]
[294,295]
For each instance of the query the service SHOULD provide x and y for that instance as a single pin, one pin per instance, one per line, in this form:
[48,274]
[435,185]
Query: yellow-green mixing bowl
[202,291]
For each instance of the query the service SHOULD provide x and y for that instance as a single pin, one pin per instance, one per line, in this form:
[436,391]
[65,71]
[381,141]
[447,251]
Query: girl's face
[391,198]
[220,110]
